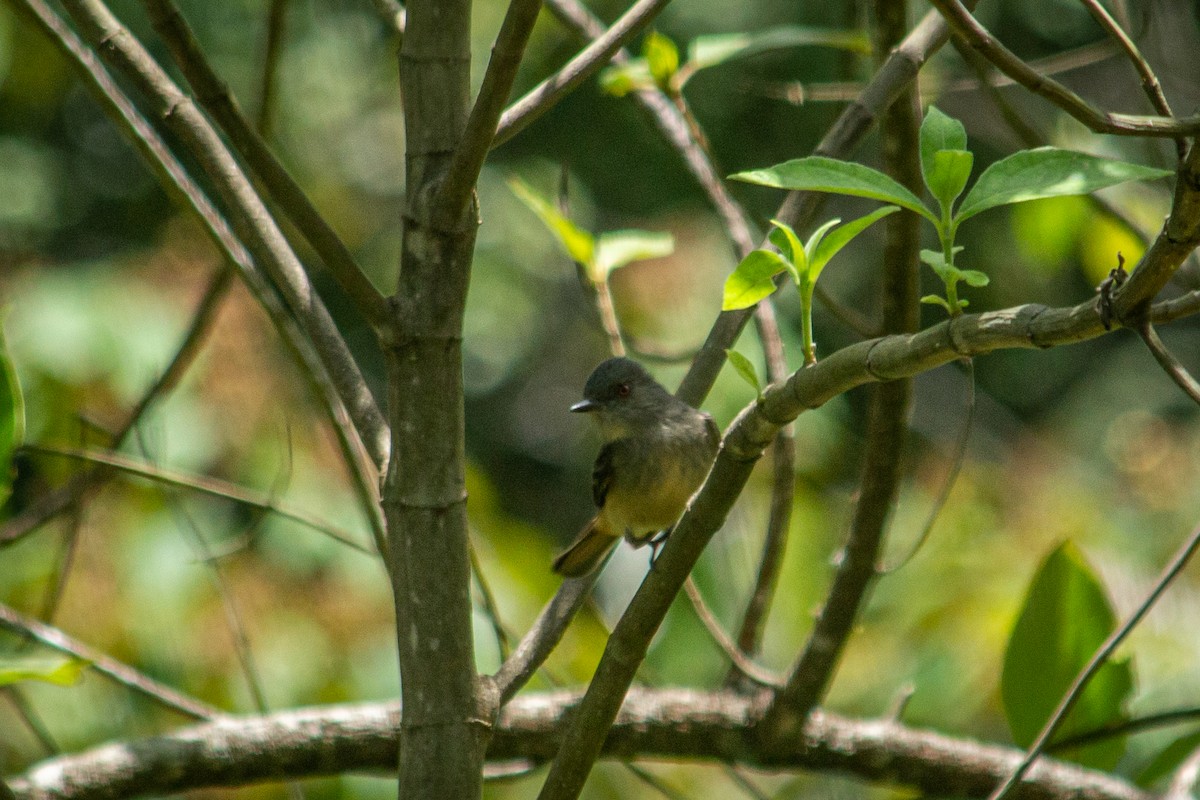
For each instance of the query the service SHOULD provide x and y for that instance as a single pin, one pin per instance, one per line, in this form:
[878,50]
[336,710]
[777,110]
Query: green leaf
[746,370]
[974,277]
[814,240]
[615,249]
[59,671]
[795,256]
[752,280]
[709,51]
[1065,620]
[936,300]
[939,132]
[662,57]
[820,174]
[12,419]
[936,259]
[829,246]
[947,175]
[576,242]
[621,79]
[1048,172]
[1168,760]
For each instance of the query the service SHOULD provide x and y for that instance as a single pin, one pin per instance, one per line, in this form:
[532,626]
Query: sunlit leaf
[820,174]
[59,671]
[939,132]
[838,238]
[621,79]
[709,51]
[752,280]
[815,238]
[1048,172]
[576,242]
[12,419]
[795,256]
[746,369]
[662,58]
[1065,619]
[615,249]
[948,174]
[974,277]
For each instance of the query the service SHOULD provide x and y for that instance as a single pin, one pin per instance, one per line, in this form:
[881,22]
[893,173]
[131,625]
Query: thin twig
[1150,84]
[490,607]
[454,194]
[1167,360]
[33,721]
[276,17]
[1098,121]
[214,487]
[1098,660]
[127,676]
[722,639]
[1125,727]
[249,216]
[549,92]
[214,95]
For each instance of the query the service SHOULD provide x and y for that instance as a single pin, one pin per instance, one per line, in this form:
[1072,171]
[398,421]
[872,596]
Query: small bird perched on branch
[657,451]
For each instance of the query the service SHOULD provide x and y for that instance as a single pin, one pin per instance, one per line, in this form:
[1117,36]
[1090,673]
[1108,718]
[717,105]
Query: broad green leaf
[840,237]
[1168,760]
[709,51]
[745,369]
[1065,620]
[1048,172]
[576,242]
[621,79]
[947,175]
[752,280]
[59,671]
[820,174]
[939,132]
[662,57]
[615,249]
[12,419]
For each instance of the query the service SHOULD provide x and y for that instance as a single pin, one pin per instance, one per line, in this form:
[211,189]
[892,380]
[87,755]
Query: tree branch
[1098,121]
[676,724]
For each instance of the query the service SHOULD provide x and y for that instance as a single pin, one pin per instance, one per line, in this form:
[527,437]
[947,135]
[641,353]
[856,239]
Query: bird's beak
[585,405]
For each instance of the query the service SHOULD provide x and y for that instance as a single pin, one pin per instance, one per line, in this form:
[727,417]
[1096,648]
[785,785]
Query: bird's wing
[602,475]
[713,432]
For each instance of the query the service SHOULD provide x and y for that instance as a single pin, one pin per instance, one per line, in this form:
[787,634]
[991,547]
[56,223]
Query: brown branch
[605,44]
[1098,121]
[675,724]
[722,639]
[454,193]
[1167,360]
[143,684]
[276,20]
[250,218]
[214,96]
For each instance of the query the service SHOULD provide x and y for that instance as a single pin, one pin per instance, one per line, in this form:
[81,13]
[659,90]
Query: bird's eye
[623,390]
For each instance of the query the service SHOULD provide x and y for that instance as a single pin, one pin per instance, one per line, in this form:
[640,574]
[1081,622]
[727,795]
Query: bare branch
[454,193]
[669,723]
[276,20]
[1167,360]
[605,44]
[1099,121]
[739,660]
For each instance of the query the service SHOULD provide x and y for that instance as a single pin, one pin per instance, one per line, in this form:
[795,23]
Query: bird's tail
[585,553]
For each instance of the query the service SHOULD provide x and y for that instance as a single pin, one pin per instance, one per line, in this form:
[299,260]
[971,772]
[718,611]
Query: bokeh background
[100,271]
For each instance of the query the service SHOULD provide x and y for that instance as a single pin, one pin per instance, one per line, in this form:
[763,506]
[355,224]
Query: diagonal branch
[1167,360]
[1098,121]
[215,97]
[455,191]
[250,218]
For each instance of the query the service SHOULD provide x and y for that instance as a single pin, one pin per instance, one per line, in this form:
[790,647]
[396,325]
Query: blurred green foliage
[100,271]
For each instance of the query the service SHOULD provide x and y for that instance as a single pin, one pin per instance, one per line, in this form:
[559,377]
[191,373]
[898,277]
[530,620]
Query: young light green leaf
[12,419]
[795,257]
[621,79]
[974,277]
[937,260]
[820,174]
[752,280]
[59,671]
[948,174]
[936,300]
[662,58]
[939,132]
[615,249]
[838,238]
[576,242]
[746,370]
[1066,617]
[815,238]
[1048,172]
[709,51]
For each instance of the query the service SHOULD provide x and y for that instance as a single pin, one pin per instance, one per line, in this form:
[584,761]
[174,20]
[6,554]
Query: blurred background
[101,270]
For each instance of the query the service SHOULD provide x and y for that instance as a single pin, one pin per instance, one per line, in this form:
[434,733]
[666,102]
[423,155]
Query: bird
[657,452]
